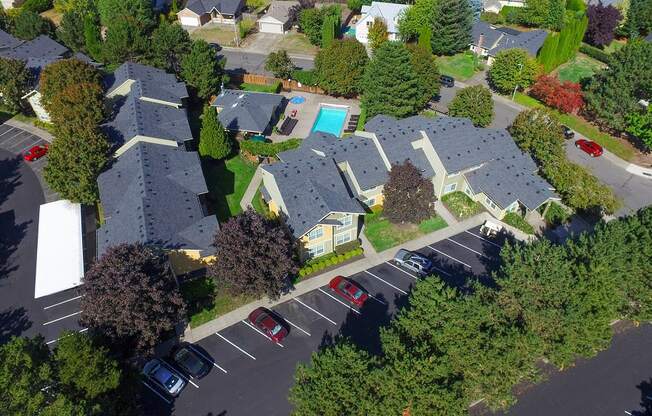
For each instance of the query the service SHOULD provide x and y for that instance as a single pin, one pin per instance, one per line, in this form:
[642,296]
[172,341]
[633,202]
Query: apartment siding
[185,261]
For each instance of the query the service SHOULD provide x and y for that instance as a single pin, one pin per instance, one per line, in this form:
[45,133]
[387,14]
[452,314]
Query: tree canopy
[377,33]
[14,82]
[214,141]
[71,30]
[201,70]
[451,27]
[111,11]
[61,74]
[28,24]
[425,66]
[125,40]
[417,19]
[603,21]
[340,67]
[77,106]
[473,102]
[513,68]
[280,64]
[169,44]
[639,125]
[409,197]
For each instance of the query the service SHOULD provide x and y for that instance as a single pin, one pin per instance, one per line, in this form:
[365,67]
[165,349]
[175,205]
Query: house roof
[35,66]
[489,33]
[497,39]
[150,195]
[40,47]
[280,10]
[223,6]
[138,117]
[649,37]
[247,111]
[152,83]
[312,188]
[7,41]
[389,12]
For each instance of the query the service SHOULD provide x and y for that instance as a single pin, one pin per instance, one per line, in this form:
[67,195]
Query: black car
[188,360]
[215,47]
[568,133]
[447,81]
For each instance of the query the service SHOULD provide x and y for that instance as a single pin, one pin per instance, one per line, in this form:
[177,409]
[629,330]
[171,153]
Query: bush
[511,14]
[346,247]
[516,221]
[37,6]
[492,18]
[269,149]
[556,214]
[331,259]
[565,97]
[245,26]
[274,88]
[305,77]
[594,53]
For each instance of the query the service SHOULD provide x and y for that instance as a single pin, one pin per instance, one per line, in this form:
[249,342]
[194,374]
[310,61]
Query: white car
[413,261]
[164,377]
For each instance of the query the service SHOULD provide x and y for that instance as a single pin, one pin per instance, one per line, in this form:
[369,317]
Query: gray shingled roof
[497,39]
[153,83]
[312,188]
[7,41]
[223,6]
[491,35]
[280,10]
[36,66]
[138,117]
[40,47]
[248,111]
[149,195]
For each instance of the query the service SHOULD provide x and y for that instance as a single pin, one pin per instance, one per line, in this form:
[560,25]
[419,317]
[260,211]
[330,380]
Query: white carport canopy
[59,254]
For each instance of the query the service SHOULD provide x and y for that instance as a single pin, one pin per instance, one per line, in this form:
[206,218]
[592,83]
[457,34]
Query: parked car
[215,47]
[447,81]
[590,147]
[349,290]
[35,153]
[190,362]
[164,377]
[413,261]
[567,132]
[268,323]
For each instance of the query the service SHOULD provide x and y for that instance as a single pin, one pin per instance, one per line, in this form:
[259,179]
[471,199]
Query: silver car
[413,261]
[164,377]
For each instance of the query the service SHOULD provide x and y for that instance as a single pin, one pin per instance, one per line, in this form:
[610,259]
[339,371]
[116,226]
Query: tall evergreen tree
[71,30]
[639,18]
[125,40]
[451,27]
[214,141]
[201,70]
[390,84]
[425,36]
[92,38]
[425,66]
[169,44]
[377,33]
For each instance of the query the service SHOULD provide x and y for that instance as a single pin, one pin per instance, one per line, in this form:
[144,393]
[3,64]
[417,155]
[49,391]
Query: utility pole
[520,68]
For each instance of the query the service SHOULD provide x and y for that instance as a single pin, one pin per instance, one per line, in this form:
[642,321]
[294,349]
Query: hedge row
[329,260]
[274,88]
[516,221]
[594,53]
[268,149]
[306,77]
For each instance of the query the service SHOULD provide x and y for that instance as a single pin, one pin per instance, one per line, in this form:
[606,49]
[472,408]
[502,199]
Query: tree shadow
[10,179]
[646,398]
[13,322]
[221,182]
[10,238]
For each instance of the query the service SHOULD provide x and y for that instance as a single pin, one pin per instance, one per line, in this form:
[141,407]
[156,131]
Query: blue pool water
[330,120]
[297,100]
[349,31]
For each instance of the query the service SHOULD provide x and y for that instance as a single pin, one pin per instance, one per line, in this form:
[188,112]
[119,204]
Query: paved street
[239,62]
[21,193]
[252,375]
[616,382]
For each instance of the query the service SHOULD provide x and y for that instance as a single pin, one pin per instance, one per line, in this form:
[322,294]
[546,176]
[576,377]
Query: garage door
[270,27]
[189,21]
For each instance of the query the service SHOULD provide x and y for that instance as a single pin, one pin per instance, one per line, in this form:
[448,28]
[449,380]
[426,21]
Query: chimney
[480,40]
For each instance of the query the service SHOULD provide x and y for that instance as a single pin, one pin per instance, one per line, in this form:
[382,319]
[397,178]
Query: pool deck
[307,112]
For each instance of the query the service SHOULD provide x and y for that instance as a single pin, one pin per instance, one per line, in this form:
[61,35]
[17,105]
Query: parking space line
[399,269]
[23,140]
[166,400]
[315,311]
[450,257]
[484,239]
[61,303]
[297,327]
[15,135]
[240,349]
[29,146]
[386,282]
[382,302]
[468,248]
[62,318]
[261,333]
[206,358]
[57,339]
[12,128]
[188,380]
[337,300]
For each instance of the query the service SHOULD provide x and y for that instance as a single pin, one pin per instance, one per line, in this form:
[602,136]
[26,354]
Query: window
[346,221]
[317,250]
[316,233]
[450,188]
[369,22]
[489,202]
[342,238]
[468,190]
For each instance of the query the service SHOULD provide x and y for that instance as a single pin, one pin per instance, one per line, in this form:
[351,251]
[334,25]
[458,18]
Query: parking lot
[251,375]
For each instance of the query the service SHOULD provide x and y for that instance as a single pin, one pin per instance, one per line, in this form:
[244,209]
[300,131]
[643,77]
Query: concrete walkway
[443,212]
[370,260]
[249,194]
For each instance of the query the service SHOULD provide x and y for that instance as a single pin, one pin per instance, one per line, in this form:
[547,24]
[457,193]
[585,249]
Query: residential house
[199,12]
[277,18]
[249,112]
[146,106]
[316,187]
[495,6]
[390,13]
[10,4]
[155,195]
[488,40]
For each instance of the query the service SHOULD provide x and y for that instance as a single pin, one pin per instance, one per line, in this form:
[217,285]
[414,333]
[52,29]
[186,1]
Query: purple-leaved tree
[603,21]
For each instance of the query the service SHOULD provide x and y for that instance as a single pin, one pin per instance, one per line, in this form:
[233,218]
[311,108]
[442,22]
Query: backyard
[382,234]
[581,66]
[205,302]
[460,66]
[227,182]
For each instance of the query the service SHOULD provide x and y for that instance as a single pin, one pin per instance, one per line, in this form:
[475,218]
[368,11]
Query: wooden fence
[288,85]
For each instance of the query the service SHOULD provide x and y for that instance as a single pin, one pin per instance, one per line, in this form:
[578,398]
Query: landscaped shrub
[566,97]
[305,77]
[268,149]
[273,88]
[518,222]
[245,26]
[346,247]
[556,214]
[461,205]
[594,53]
[37,6]
[331,259]
[492,18]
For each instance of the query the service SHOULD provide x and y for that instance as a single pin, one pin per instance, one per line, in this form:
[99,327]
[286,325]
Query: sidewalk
[45,135]
[370,260]
[249,194]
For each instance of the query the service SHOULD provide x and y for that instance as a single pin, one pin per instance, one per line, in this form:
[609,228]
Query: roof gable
[389,12]
[247,111]
[201,7]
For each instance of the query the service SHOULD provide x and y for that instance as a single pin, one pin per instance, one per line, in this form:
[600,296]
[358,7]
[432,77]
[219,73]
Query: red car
[590,147]
[35,153]
[349,290]
[268,323]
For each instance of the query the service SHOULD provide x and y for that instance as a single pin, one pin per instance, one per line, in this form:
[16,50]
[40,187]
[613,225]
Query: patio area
[306,112]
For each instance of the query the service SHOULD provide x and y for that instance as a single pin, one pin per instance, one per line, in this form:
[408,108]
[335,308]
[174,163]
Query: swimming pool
[349,31]
[330,120]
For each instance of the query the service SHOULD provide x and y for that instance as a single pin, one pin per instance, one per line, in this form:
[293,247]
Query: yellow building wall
[326,239]
[185,261]
[273,208]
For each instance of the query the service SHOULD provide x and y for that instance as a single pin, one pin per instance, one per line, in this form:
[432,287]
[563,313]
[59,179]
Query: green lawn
[585,129]
[227,183]
[215,34]
[460,66]
[259,205]
[581,66]
[614,46]
[460,205]
[205,303]
[383,235]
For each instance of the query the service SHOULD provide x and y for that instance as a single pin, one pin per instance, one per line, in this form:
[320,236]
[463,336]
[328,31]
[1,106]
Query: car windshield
[276,329]
[357,294]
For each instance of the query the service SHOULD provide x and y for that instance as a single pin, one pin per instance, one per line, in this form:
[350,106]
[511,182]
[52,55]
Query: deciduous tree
[377,33]
[61,74]
[473,102]
[417,19]
[131,295]
[14,81]
[201,71]
[390,83]
[310,23]
[451,27]
[280,64]
[513,68]
[77,107]
[409,197]
[639,125]
[603,21]
[214,141]
[566,97]
[340,67]
[255,255]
